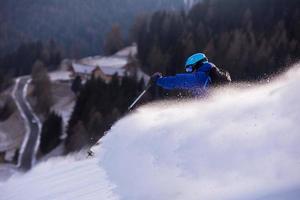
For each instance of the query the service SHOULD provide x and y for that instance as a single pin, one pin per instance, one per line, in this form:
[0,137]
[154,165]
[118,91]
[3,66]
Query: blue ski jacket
[196,80]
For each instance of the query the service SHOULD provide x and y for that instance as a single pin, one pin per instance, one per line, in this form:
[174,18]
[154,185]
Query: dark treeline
[250,39]
[51,133]
[78,26]
[5,81]
[21,61]
[7,107]
[42,88]
[98,106]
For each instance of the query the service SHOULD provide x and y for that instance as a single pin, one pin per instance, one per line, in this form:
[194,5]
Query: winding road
[30,144]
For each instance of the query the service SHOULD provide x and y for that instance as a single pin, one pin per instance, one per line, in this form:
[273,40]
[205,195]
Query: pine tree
[42,88]
[113,41]
[76,85]
[51,133]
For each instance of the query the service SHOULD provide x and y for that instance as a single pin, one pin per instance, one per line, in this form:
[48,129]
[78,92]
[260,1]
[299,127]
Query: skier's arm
[179,81]
[218,76]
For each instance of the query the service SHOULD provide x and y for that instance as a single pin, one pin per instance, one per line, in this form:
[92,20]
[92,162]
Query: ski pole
[140,96]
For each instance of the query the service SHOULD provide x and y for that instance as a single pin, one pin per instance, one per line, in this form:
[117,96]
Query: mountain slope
[79,26]
[240,143]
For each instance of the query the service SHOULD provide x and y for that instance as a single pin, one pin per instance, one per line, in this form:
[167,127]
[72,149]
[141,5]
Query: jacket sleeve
[181,81]
[219,76]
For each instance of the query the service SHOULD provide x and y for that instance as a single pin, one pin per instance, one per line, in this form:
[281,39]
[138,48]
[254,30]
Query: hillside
[251,39]
[242,143]
[78,26]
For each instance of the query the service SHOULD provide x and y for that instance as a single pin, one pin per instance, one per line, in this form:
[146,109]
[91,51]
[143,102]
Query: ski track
[26,122]
[36,118]
[241,143]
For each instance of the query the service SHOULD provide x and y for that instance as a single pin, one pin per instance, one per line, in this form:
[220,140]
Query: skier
[200,75]
[90,153]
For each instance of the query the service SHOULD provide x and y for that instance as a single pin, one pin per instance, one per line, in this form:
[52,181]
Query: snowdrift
[241,143]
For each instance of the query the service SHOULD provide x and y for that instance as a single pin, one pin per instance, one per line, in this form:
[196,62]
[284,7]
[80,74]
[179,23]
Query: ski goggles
[189,68]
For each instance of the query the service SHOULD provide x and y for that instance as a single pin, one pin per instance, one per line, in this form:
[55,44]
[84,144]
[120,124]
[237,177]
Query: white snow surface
[128,51]
[109,66]
[60,75]
[241,143]
[61,178]
[112,61]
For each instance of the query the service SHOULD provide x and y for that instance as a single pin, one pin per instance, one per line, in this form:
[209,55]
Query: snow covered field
[242,143]
[60,75]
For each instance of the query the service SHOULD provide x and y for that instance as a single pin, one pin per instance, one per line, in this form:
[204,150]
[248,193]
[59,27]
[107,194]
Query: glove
[228,76]
[155,77]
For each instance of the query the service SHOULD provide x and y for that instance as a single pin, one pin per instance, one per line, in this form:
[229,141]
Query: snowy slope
[78,179]
[60,75]
[242,143]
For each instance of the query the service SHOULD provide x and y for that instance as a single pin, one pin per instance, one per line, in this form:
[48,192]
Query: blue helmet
[193,60]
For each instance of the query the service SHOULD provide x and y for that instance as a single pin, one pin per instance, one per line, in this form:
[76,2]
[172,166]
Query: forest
[97,107]
[77,26]
[251,39]
[252,43]
[20,62]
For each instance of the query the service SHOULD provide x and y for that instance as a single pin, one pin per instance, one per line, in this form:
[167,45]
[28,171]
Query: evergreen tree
[7,108]
[113,41]
[76,85]
[97,107]
[21,61]
[78,139]
[42,88]
[51,133]
[248,40]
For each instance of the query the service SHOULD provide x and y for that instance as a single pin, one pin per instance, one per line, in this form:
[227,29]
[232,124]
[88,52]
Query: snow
[12,129]
[36,119]
[142,75]
[11,133]
[64,101]
[112,62]
[56,152]
[189,3]
[83,180]
[128,51]
[111,71]
[9,155]
[60,75]
[4,143]
[108,65]
[241,143]
[64,108]
[83,68]
[6,170]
